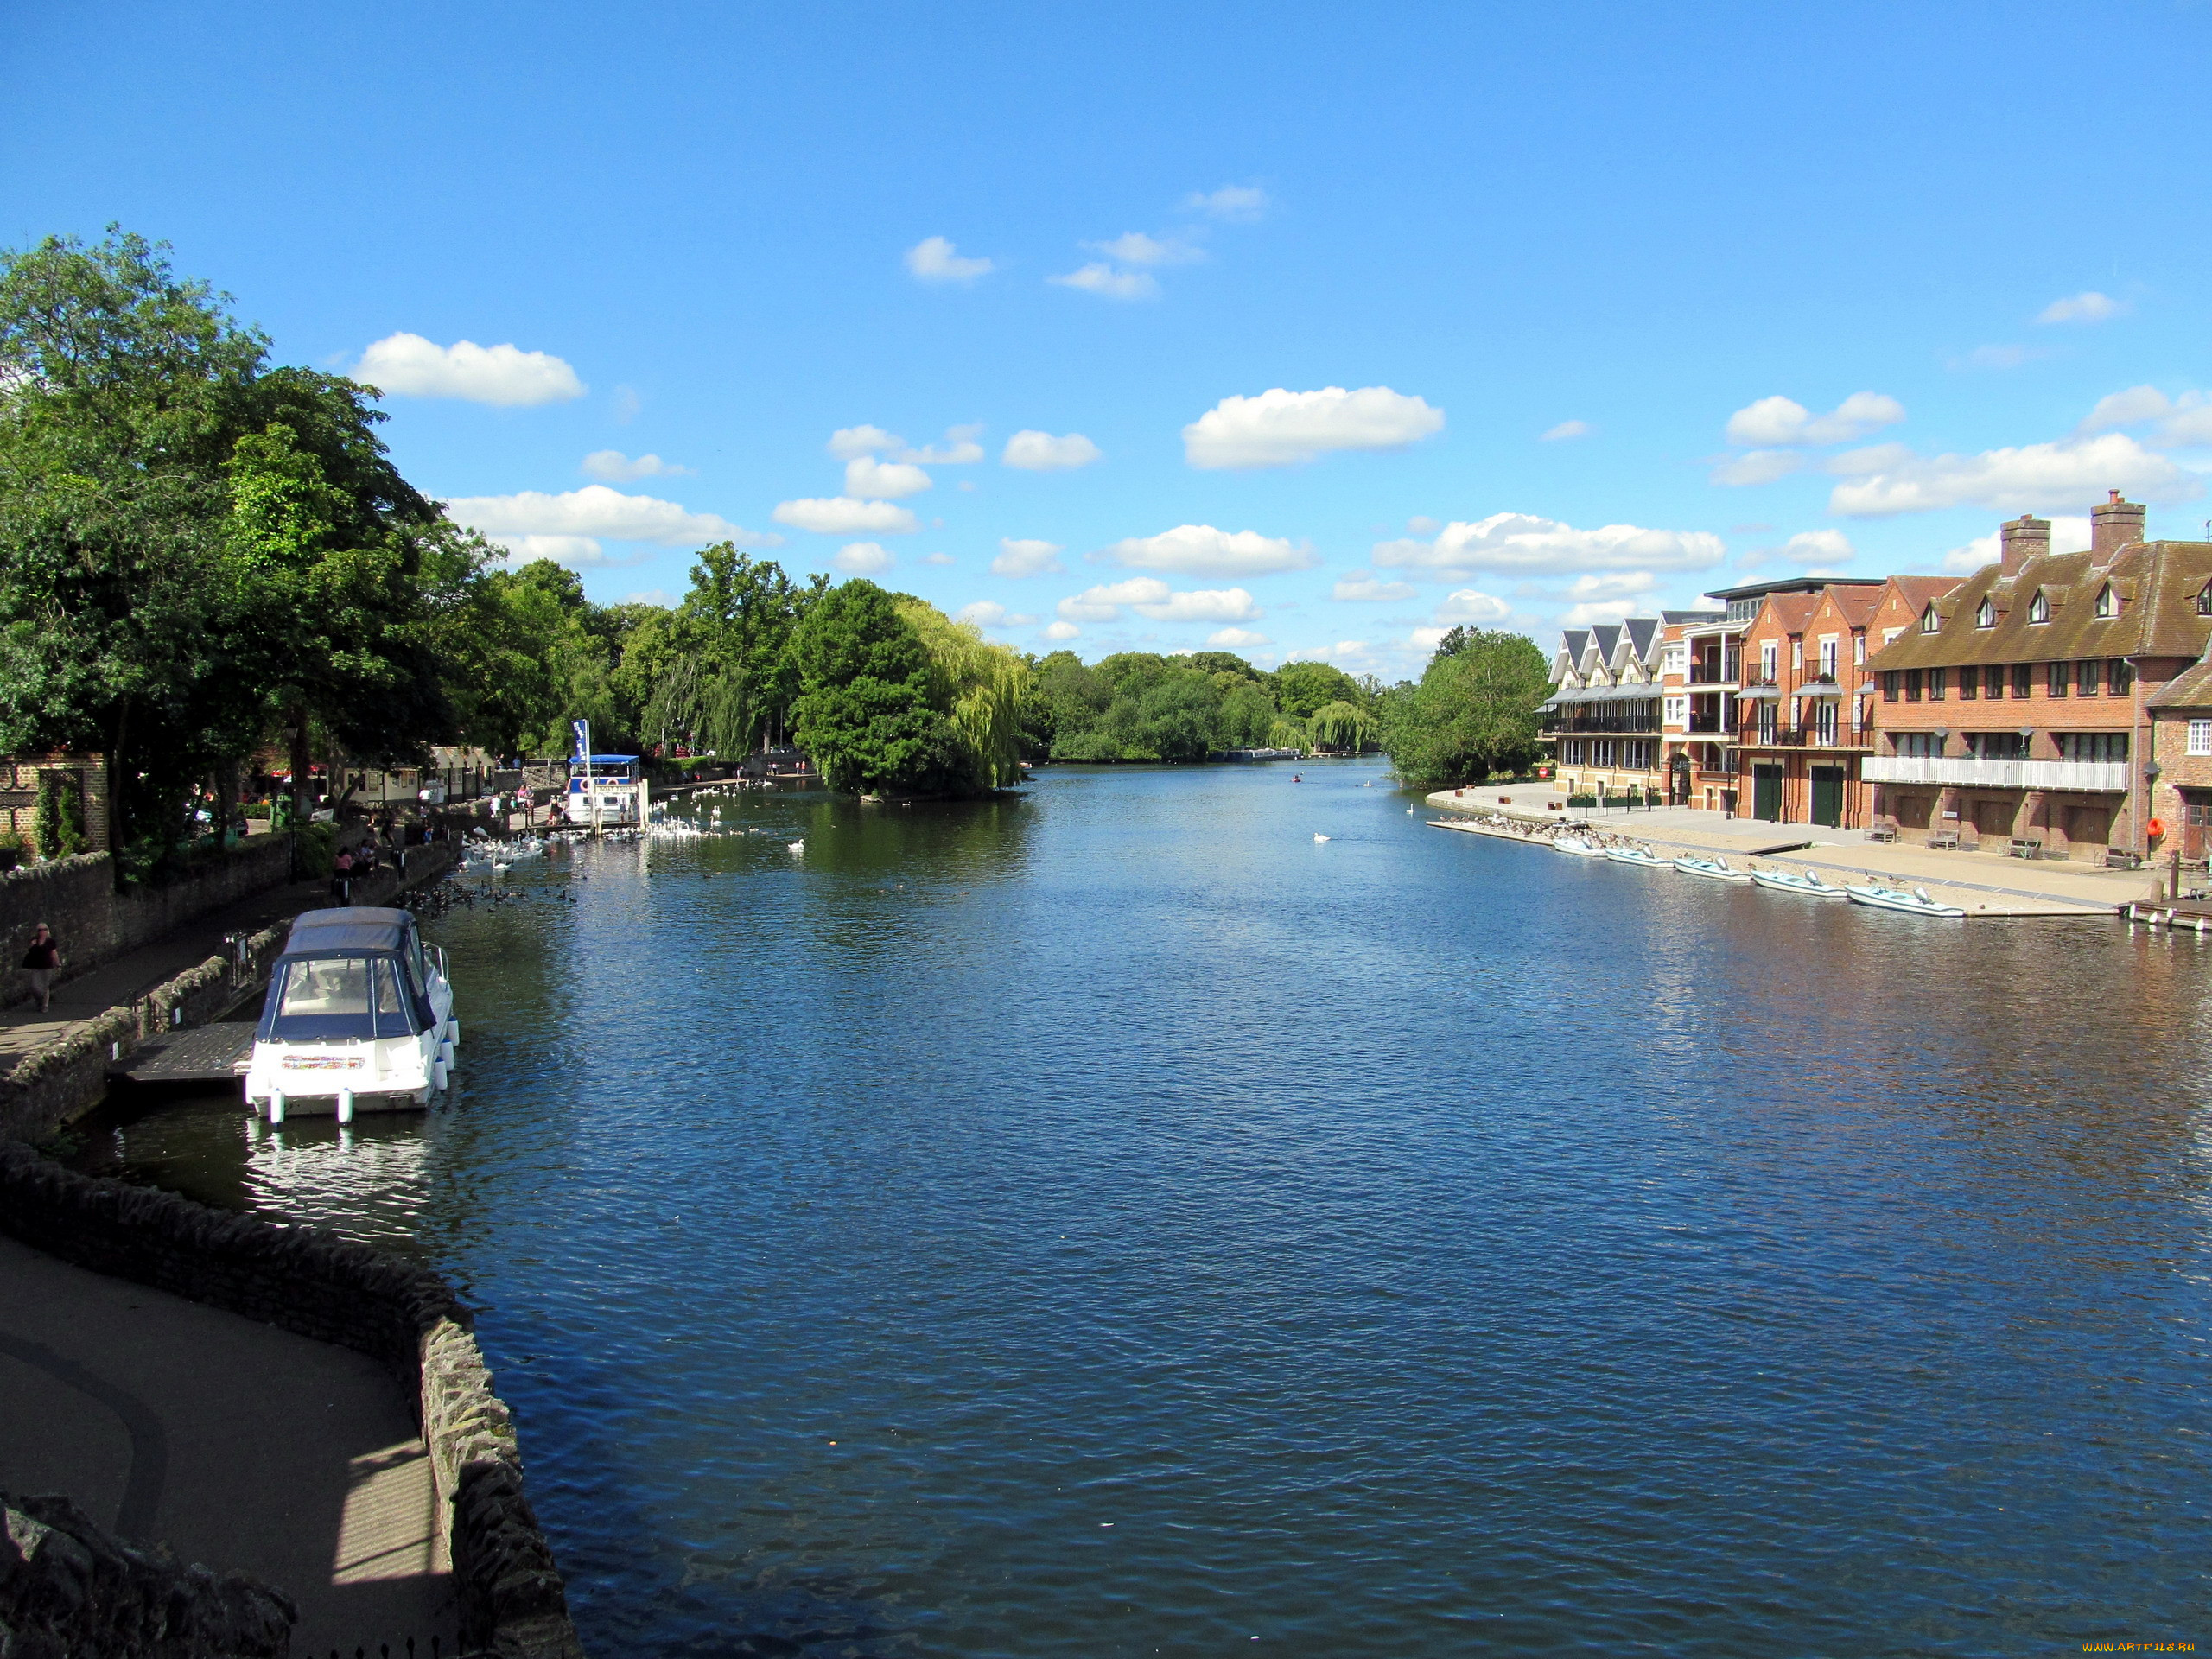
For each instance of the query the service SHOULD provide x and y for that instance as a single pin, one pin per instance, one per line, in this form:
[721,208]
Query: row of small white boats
[1913,901]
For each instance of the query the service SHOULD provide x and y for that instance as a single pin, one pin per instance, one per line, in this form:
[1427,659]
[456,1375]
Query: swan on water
[798,846]
[1318,836]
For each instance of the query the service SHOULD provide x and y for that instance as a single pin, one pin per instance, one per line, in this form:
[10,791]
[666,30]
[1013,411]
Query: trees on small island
[1472,714]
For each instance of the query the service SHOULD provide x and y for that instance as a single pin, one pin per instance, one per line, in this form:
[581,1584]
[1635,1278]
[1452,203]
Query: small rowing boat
[1715,870]
[1915,903]
[1643,857]
[1578,846]
[1796,881]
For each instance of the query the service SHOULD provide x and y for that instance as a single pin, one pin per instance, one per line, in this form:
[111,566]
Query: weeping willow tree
[981,689]
[1342,725]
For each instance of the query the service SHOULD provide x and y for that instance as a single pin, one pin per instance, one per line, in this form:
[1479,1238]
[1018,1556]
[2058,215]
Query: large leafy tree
[1303,688]
[190,545]
[726,677]
[864,711]
[1473,713]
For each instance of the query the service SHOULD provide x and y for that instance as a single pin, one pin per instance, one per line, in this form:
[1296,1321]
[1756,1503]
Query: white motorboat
[359,1017]
[1915,903]
[1804,881]
[1578,846]
[1642,857]
[1714,870]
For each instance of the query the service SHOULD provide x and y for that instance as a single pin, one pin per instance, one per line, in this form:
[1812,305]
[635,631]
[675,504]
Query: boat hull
[1642,861]
[1786,884]
[1578,849]
[1711,872]
[1904,903]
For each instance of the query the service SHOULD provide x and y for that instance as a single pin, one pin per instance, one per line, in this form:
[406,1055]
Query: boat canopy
[356,927]
[348,974]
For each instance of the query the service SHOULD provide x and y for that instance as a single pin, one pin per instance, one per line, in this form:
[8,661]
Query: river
[1112,1221]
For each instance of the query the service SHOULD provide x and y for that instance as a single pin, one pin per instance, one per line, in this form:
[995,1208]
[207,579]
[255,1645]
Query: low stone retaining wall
[94,923]
[508,1589]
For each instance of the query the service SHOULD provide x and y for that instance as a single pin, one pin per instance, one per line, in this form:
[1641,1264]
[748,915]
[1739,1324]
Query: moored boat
[1915,903]
[1804,881]
[1643,857]
[359,1017]
[1713,869]
[1578,846]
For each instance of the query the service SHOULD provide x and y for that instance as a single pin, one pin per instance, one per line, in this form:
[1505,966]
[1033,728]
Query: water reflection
[1113,1221]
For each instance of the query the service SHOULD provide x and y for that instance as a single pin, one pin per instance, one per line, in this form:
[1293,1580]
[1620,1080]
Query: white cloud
[1468,606]
[2086,306]
[1776,420]
[933,259]
[1617,584]
[503,375]
[843,516]
[938,558]
[615,467]
[1103,280]
[1565,430]
[849,443]
[883,480]
[984,614]
[1519,541]
[1366,584]
[1040,452]
[2068,534]
[1235,203]
[1287,428]
[648,596]
[2183,422]
[1422,524]
[1236,639]
[1025,556]
[1136,248]
[2073,472]
[592,513]
[562,550]
[1202,551]
[864,558]
[1061,631]
[959,449]
[1757,466]
[1815,547]
[1599,610]
[1152,598]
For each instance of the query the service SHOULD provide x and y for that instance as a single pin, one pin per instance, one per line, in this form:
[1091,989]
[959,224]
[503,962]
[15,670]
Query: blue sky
[1829,289]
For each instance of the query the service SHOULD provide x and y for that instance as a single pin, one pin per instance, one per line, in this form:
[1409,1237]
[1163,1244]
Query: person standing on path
[42,959]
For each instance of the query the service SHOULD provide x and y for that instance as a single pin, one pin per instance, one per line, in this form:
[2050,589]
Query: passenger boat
[1915,903]
[1578,846]
[1716,869]
[358,1018]
[607,791]
[1643,857]
[1798,881]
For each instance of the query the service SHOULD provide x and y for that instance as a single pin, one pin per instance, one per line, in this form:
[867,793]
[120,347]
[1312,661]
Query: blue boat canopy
[610,760]
[355,928]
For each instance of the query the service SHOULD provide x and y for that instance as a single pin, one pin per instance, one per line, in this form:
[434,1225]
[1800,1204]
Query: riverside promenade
[1982,884]
[240,1446]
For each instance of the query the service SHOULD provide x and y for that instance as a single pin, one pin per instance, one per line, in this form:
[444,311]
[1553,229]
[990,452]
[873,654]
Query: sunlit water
[1112,1222]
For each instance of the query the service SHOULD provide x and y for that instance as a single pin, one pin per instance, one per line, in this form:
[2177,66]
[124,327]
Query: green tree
[1342,725]
[982,689]
[864,711]
[1301,687]
[1474,712]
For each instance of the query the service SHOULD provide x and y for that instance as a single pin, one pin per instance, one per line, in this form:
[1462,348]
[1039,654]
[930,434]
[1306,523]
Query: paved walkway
[239,1444]
[1986,884]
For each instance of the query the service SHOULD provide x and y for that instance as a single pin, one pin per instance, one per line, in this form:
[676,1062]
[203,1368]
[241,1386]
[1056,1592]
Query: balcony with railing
[1613,722]
[1805,737]
[2091,777]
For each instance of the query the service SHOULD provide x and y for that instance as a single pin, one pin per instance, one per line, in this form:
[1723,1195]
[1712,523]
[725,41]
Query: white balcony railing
[2108,776]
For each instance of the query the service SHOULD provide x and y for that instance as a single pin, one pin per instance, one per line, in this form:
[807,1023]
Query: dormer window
[2204,600]
[2108,601]
[2039,607]
[1930,621]
[1986,616]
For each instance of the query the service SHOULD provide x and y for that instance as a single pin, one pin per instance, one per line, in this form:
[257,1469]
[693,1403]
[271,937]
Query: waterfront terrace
[2015,709]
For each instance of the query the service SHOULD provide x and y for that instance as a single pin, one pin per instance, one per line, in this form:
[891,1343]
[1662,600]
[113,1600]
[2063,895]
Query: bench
[2117,858]
[1883,833]
[2025,847]
[1943,841]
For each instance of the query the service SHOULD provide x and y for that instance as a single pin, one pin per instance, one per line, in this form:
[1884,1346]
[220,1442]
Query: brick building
[2016,706]
[2181,749]
[1603,719]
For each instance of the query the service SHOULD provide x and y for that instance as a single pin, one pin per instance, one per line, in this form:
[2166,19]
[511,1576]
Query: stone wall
[70,1591]
[94,923]
[508,1589]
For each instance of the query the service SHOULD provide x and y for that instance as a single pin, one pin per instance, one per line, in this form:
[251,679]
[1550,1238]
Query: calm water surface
[1110,1222]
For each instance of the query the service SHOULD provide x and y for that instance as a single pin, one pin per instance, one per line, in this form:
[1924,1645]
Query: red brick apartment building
[2018,705]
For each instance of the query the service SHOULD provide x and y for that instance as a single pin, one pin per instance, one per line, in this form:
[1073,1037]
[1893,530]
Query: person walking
[42,959]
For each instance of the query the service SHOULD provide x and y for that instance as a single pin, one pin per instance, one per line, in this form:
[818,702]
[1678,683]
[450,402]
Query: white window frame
[1831,656]
[2200,737]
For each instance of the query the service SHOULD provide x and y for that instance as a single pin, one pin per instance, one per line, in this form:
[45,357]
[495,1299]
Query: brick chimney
[2112,526]
[2020,540]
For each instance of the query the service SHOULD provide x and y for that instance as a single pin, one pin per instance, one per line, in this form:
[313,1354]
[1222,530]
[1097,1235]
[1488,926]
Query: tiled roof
[2190,688]
[2157,583]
